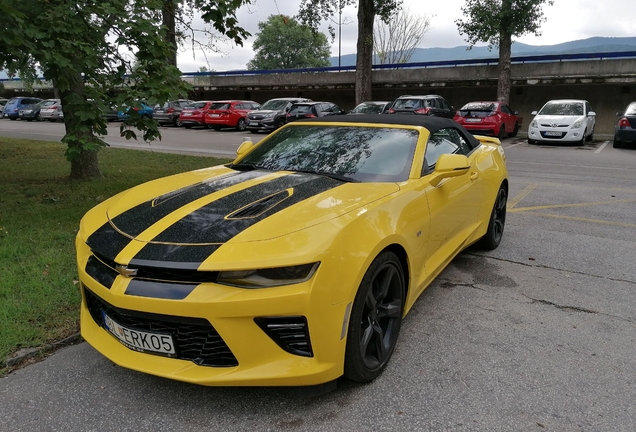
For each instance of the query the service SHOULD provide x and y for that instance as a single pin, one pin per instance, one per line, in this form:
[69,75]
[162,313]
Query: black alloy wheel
[497,221]
[279,123]
[515,131]
[376,318]
[502,132]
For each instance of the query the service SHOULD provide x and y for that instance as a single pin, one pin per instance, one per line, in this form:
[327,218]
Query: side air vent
[290,333]
[259,207]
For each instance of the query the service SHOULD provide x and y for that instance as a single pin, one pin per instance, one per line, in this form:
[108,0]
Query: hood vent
[259,207]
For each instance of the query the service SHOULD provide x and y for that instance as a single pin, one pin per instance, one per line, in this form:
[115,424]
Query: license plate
[253,123]
[473,120]
[552,133]
[187,114]
[159,111]
[139,340]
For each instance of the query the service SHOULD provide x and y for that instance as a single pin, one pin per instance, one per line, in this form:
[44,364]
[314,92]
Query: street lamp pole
[339,31]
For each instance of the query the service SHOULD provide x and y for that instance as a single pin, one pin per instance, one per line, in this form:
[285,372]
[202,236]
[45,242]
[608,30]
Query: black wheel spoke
[380,348]
[385,283]
[365,339]
[390,310]
[370,301]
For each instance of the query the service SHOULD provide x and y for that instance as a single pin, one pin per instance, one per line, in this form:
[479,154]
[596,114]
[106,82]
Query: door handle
[474,175]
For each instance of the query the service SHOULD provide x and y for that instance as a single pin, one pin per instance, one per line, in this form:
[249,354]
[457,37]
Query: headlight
[534,124]
[269,277]
[577,124]
[266,116]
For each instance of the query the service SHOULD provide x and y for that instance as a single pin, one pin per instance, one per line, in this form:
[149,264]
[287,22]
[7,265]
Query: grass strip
[40,209]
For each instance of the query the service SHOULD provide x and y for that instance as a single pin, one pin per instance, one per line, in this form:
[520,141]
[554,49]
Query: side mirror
[449,165]
[533,113]
[591,113]
[244,147]
[618,113]
[516,112]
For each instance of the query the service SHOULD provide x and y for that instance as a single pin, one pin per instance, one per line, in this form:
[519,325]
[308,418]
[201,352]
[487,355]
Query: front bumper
[231,312]
[261,125]
[563,134]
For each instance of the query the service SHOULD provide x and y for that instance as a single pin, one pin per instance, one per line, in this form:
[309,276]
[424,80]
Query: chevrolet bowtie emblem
[125,271]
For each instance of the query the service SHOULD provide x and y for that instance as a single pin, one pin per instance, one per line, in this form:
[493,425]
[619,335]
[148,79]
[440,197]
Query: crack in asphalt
[576,309]
[550,268]
[446,283]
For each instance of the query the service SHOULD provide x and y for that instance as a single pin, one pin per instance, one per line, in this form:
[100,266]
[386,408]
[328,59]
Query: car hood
[227,205]
[262,112]
[557,119]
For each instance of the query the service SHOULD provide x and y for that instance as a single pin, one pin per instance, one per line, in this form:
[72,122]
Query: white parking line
[598,150]
[506,148]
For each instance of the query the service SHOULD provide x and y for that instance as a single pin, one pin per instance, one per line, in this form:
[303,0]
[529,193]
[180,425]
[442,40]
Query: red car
[229,113]
[194,114]
[489,118]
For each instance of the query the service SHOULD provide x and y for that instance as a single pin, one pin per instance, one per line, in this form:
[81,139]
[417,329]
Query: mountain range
[590,45]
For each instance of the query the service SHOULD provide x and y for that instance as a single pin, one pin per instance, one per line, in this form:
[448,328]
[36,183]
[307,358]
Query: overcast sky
[567,20]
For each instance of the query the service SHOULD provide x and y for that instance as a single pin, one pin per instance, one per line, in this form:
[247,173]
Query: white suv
[564,120]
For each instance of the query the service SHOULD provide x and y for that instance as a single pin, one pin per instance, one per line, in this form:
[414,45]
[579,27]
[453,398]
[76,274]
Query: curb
[27,353]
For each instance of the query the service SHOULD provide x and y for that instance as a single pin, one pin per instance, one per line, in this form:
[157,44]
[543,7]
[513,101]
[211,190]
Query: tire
[591,137]
[582,141]
[216,127]
[177,123]
[253,131]
[279,123]
[38,117]
[531,141]
[497,221]
[12,118]
[515,131]
[617,143]
[241,125]
[188,126]
[376,318]
[502,132]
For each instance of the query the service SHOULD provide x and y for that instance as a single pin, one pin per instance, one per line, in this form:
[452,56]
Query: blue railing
[432,64]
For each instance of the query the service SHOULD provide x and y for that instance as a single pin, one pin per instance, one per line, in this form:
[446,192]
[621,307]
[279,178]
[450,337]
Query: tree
[284,43]
[395,41]
[88,49]
[313,12]
[496,22]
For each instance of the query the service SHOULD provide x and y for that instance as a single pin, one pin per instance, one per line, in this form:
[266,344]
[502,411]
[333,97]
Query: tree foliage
[88,49]
[284,43]
[495,22]
[313,12]
[395,41]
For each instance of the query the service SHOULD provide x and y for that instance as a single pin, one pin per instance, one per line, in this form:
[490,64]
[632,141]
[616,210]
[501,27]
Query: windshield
[220,106]
[274,105]
[368,108]
[562,108]
[410,103]
[301,109]
[197,105]
[631,109]
[478,109]
[367,154]
[48,102]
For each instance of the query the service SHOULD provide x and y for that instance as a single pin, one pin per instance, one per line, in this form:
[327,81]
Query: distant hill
[590,45]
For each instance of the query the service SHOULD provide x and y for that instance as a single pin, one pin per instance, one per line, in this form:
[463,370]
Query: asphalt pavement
[537,335]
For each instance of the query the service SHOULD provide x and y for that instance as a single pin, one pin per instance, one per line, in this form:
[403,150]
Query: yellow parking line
[524,193]
[580,219]
[545,207]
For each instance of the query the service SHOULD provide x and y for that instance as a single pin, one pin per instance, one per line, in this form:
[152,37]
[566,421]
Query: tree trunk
[503,87]
[84,164]
[168,17]
[364,59]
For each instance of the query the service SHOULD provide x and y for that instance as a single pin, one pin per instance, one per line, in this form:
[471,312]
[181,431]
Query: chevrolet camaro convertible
[295,264]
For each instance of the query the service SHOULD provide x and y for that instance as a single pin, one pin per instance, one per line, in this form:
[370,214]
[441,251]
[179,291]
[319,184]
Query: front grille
[290,333]
[195,339]
[554,125]
[165,274]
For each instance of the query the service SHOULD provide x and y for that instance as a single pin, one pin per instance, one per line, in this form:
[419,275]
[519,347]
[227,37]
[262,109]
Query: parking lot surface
[537,335]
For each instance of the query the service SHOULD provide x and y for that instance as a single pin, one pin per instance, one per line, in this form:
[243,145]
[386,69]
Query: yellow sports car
[295,264]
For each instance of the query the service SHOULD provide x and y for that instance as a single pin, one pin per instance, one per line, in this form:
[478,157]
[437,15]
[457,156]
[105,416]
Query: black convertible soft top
[432,123]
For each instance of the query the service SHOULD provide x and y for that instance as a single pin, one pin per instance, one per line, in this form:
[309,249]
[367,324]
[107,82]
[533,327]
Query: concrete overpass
[606,80]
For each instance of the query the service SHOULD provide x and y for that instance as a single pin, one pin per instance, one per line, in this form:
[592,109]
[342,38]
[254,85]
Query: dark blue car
[13,107]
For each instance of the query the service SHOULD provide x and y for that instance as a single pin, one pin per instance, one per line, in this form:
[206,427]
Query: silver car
[51,110]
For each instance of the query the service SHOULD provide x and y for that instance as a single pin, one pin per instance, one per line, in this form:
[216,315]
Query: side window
[505,109]
[588,107]
[445,104]
[444,141]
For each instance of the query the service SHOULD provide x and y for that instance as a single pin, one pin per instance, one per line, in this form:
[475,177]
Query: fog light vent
[290,333]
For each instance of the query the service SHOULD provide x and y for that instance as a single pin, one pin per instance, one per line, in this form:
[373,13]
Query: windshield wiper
[330,175]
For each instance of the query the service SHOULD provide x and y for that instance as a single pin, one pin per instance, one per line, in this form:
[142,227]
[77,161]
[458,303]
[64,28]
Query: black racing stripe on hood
[208,224]
[161,290]
[181,257]
[139,218]
[107,241]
